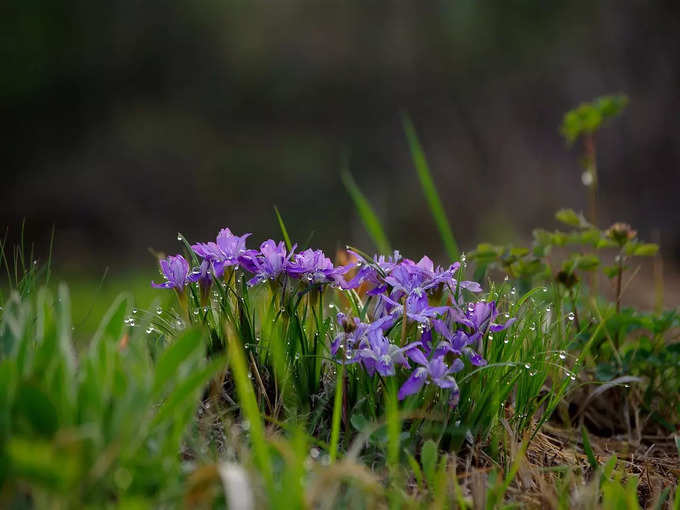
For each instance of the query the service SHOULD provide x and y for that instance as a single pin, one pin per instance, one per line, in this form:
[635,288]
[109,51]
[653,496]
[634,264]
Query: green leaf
[430,190]
[368,217]
[588,449]
[605,243]
[174,356]
[112,325]
[587,262]
[183,394]
[415,467]
[359,422]
[34,407]
[588,117]
[646,250]
[428,458]
[572,218]
[611,271]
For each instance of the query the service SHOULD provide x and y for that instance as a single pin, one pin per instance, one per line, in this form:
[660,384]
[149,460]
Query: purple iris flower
[225,252]
[456,343]
[372,271]
[315,267]
[410,276]
[354,334]
[202,275]
[176,271]
[435,370]
[269,263]
[480,317]
[418,308]
[378,354]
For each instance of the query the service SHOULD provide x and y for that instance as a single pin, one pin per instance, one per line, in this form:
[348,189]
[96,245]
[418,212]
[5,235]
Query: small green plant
[584,122]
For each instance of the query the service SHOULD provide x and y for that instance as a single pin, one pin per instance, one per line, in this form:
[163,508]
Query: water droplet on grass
[571,316]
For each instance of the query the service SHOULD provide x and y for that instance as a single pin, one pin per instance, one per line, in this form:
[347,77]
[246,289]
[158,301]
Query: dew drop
[513,291]
[179,236]
[314,453]
[545,289]
[571,316]
[563,355]
[587,178]
[527,366]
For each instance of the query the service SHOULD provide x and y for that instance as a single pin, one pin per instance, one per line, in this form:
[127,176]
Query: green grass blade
[337,413]
[284,231]
[430,190]
[588,449]
[366,213]
[250,410]
[393,423]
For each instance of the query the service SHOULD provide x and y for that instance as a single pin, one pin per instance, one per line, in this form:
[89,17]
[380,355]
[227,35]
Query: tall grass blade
[429,189]
[284,231]
[366,213]
[250,409]
[337,413]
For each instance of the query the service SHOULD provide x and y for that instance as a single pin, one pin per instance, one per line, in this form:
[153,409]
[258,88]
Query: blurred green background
[128,121]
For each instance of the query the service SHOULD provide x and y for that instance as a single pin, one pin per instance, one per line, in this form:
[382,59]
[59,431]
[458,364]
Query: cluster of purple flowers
[403,291]
[429,297]
[271,262]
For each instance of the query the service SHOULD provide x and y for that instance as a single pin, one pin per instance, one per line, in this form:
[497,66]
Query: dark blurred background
[128,121]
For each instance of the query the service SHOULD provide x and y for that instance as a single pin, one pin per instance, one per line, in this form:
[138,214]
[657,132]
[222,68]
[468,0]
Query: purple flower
[269,263]
[373,271]
[176,272]
[380,355]
[354,334]
[456,343]
[201,274]
[418,308]
[315,267]
[480,316]
[225,252]
[435,370]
